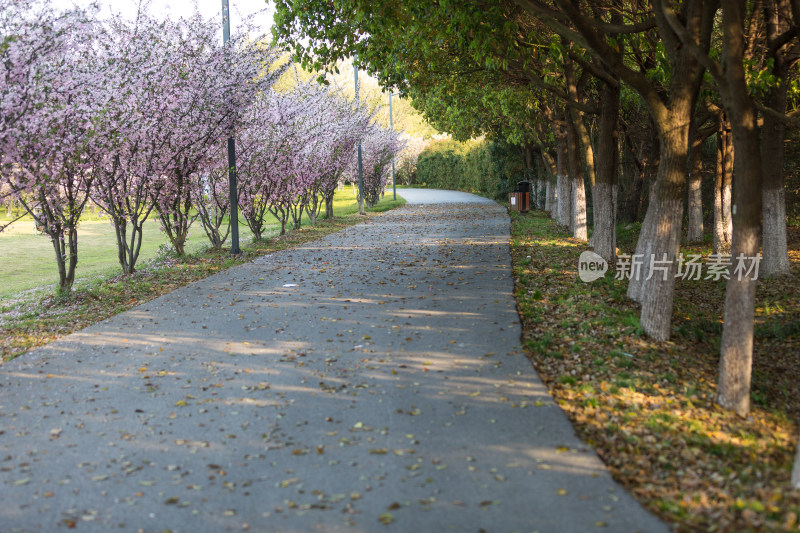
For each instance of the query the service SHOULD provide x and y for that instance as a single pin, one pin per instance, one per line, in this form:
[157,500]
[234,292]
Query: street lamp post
[360,168]
[234,197]
[391,127]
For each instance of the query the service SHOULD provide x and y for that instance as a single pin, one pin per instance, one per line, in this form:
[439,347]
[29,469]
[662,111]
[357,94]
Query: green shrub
[483,167]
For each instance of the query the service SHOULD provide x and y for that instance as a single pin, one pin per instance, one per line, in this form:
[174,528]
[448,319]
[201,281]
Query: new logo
[591,267]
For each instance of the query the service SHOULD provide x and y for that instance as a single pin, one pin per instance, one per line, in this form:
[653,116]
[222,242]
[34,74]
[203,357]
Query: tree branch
[790,119]
[713,67]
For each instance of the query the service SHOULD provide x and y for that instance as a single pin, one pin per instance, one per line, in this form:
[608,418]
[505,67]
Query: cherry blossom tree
[210,197]
[346,126]
[50,94]
[378,146]
[214,82]
[266,142]
[136,129]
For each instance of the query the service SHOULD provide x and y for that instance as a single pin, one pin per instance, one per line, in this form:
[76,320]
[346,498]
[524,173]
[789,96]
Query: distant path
[439,196]
[370,381]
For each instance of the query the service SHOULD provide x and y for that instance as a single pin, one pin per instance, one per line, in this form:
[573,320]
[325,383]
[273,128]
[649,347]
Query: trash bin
[520,200]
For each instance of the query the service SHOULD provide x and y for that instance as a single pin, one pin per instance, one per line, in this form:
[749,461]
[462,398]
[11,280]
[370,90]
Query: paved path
[370,381]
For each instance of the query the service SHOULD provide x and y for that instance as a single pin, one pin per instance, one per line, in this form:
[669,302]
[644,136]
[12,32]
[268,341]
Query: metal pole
[234,197]
[391,127]
[360,169]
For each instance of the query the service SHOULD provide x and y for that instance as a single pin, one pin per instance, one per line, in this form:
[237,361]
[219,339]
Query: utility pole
[360,168]
[391,127]
[234,197]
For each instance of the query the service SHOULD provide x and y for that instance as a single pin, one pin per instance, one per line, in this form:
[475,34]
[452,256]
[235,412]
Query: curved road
[370,381]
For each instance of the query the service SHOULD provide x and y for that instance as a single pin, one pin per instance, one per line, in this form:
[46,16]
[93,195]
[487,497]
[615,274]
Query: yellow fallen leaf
[386,518]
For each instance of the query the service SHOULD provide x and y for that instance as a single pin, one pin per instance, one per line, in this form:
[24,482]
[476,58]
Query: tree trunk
[776,256]
[736,347]
[633,198]
[659,240]
[547,192]
[65,244]
[528,172]
[653,160]
[540,174]
[120,229]
[578,222]
[607,163]
[727,188]
[695,203]
[580,152]
[719,234]
[564,192]
[722,190]
[647,166]
[60,250]
[329,207]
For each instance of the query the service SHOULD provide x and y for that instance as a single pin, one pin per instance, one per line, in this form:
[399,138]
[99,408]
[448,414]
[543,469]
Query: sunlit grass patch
[35,318]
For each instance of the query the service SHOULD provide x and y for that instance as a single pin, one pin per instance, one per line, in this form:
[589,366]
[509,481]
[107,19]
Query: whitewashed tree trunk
[657,292]
[541,195]
[564,186]
[695,233]
[605,241]
[736,345]
[723,222]
[773,134]
[564,196]
[604,192]
[578,222]
[551,199]
[580,226]
[776,257]
[659,240]
[546,192]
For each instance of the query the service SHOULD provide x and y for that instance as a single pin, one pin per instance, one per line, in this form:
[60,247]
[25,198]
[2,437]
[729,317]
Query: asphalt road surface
[370,381]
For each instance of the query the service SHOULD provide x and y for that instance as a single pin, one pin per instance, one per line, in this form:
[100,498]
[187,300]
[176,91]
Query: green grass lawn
[27,261]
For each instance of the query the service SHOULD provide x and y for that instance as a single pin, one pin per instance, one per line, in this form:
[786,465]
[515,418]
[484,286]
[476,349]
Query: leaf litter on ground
[648,407]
